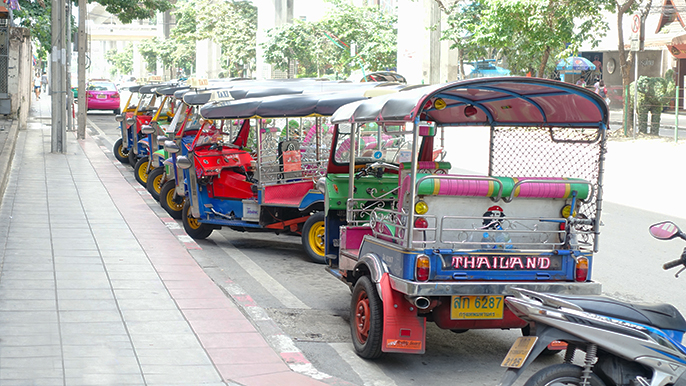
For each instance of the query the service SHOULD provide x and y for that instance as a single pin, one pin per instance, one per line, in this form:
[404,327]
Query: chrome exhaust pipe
[420,302]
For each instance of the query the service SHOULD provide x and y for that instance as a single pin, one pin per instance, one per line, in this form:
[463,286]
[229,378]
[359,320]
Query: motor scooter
[624,343]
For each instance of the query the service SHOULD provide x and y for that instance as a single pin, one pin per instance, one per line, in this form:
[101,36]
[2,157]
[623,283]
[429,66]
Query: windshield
[102,86]
[375,143]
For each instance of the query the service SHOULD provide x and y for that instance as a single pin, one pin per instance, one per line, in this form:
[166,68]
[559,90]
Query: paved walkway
[96,290]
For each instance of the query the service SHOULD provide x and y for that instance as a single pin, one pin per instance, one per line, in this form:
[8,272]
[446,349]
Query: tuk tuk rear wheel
[366,319]
[121,154]
[192,226]
[141,171]
[155,181]
[170,201]
[313,237]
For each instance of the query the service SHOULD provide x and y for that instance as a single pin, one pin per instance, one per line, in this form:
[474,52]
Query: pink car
[103,95]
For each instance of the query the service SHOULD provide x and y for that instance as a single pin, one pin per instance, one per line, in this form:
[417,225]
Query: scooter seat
[663,316]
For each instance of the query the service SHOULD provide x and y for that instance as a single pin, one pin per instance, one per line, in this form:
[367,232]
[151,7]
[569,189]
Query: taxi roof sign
[198,82]
[221,95]
[154,78]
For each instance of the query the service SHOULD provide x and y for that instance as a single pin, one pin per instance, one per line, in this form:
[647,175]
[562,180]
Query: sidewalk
[96,290]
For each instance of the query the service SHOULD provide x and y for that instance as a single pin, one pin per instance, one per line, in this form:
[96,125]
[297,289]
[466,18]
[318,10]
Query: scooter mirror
[171,147]
[665,230]
[130,121]
[162,138]
[119,118]
[183,162]
[147,129]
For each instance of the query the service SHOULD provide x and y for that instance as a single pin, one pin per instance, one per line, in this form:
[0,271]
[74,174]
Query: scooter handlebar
[672,264]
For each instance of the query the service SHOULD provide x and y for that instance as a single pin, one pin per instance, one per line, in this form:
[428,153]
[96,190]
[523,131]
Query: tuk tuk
[173,191]
[122,145]
[254,162]
[442,198]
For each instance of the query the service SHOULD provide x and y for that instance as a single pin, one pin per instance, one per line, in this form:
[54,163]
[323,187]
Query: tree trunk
[544,61]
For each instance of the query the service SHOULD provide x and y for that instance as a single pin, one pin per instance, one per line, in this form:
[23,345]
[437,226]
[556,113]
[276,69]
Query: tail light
[581,269]
[421,223]
[421,207]
[423,268]
[115,95]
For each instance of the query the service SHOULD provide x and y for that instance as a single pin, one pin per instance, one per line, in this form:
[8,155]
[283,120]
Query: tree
[36,17]
[293,43]
[626,59]
[148,50]
[121,61]
[532,32]
[325,46]
[463,20]
[232,25]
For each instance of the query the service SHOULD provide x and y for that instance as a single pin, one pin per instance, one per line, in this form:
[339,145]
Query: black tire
[192,226]
[121,154]
[132,158]
[155,182]
[313,238]
[559,375]
[366,319]
[117,111]
[140,171]
[170,201]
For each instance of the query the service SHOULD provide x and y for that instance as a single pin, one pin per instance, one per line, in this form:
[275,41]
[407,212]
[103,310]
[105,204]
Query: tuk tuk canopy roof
[169,91]
[293,105]
[505,101]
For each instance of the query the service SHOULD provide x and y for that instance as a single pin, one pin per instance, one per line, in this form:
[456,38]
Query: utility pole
[57,72]
[81,117]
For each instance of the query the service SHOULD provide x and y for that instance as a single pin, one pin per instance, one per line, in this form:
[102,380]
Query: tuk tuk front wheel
[170,201]
[155,181]
[313,238]
[141,171]
[121,154]
[132,158]
[192,226]
[366,319]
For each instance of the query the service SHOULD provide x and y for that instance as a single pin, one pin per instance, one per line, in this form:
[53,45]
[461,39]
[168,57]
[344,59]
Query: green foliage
[653,94]
[527,32]
[39,19]
[121,61]
[232,25]
[325,46]
[130,10]
[149,50]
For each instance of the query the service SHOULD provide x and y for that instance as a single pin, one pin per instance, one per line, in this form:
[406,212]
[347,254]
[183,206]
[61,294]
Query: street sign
[635,45]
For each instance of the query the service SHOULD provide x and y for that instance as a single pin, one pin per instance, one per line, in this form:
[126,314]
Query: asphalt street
[286,294]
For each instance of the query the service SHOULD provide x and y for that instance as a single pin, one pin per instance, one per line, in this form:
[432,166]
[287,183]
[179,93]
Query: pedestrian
[36,86]
[602,90]
[581,82]
[44,81]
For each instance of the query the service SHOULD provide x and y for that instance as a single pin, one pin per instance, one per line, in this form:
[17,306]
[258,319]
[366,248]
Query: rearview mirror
[171,147]
[147,129]
[183,162]
[665,230]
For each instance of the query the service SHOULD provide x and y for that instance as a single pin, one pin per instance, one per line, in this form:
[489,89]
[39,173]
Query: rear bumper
[428,289]
[95,104]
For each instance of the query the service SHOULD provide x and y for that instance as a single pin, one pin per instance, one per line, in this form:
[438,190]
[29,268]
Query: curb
[7,154]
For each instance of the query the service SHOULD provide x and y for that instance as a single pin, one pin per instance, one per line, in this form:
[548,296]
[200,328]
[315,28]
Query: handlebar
[677,262]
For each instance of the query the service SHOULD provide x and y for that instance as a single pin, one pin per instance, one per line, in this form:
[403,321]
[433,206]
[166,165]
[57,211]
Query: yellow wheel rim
[157,183]
[192,222]
[120,150]
[316,238]
[171,203]
[143,172]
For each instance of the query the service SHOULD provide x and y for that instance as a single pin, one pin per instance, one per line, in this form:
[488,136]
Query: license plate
[101,96]
[476,307]
[519,351]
